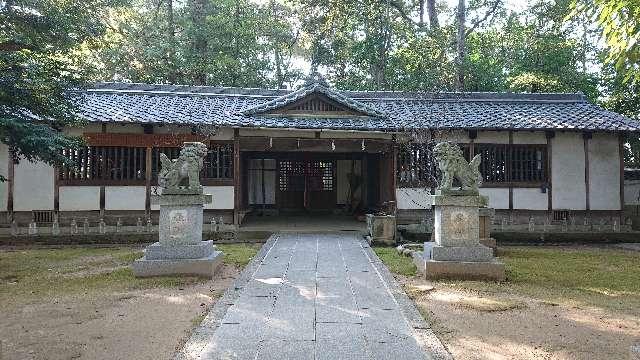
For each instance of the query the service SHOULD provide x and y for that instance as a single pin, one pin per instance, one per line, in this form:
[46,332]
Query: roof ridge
[169,89]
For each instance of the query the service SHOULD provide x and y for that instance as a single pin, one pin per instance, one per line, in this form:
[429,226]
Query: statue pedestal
[456,251]
[180,249]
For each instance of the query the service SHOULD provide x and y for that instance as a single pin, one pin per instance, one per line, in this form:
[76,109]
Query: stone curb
[424,335]
[202,334]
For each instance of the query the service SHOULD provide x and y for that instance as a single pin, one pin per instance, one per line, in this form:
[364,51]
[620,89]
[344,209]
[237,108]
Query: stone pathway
[314,296]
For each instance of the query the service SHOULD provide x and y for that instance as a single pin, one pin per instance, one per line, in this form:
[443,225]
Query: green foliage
[38,73]
[620,26]
[228,43]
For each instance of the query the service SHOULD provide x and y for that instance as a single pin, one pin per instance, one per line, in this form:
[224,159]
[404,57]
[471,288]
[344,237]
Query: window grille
[501,163]
[113,163]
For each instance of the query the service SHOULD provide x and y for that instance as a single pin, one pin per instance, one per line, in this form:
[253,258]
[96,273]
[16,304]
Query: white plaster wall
[529,137]
[567,171]
[277,133]
[124,197]
[78,198]
[223,134]
[343,167]
[171,129]
[222,197]
[255,181]
[33,186]
[457,136]
[530,199]
[492,137]
[124,128]
[632,192]
[4,171]
[604,172]
[498,197]
[88,128]
[413,198]
[336,134]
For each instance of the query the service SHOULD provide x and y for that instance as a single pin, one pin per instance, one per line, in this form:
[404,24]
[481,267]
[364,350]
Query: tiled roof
[386,111]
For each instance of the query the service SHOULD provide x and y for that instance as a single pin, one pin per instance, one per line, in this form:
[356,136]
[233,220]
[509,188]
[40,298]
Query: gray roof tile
[386,111]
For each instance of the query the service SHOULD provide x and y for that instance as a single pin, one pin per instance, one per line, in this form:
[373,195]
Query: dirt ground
[138,324]
[497,325]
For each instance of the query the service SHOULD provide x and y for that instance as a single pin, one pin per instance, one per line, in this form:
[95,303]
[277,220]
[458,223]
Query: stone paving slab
[314,296]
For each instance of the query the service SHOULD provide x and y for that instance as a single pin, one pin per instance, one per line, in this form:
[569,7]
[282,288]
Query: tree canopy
[48,47]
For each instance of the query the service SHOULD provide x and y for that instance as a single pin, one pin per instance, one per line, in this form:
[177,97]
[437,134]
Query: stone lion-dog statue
[186,167]
[452,163]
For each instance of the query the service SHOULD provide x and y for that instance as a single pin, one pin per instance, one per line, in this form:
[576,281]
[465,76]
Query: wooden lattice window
[291,175]
[218,164]
[519,164]
[320,175]
[104,163]
[418,167]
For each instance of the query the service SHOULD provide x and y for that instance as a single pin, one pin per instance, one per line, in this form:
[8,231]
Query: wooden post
[586,136]
[10,181]
[394,177]
[509,159]
[237,186]
[549,135]
[147,180]
[56,189]
[621,137]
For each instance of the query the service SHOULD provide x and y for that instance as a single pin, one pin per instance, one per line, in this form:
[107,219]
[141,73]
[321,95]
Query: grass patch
[238,254]
[568,275]
[554,275]
[398,264]
[32,274]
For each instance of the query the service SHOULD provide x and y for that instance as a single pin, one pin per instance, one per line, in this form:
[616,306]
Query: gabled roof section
[314,98]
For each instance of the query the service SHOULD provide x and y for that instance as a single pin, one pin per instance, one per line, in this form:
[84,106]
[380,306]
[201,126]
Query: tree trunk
[171,37]
[433,14]
[460,46]
[421,5]
[199,41]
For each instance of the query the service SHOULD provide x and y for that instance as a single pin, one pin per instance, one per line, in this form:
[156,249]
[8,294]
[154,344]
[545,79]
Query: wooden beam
[313,145]
[139,140]
[394,177]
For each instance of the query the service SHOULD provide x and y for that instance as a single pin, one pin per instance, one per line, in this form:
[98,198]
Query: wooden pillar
[549,135]
[473,134]
[587,202]
[147,181]
[11,171]
[621,138]
[394,176]
[509,158]
[104,172]
[56,189]
[237,181]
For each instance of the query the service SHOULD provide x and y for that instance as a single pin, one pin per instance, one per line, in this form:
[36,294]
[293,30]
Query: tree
[620,25]
[38,73]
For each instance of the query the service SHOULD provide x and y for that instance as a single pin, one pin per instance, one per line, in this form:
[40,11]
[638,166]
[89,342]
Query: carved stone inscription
[457,224]
[178,224]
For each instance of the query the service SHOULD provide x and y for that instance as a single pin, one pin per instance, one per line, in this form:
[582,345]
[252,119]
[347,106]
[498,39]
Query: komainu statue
[452,163]
[186,168]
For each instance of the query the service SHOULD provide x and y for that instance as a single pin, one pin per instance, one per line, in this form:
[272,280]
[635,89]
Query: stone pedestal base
[478,253]
[178,260]
[461,270]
